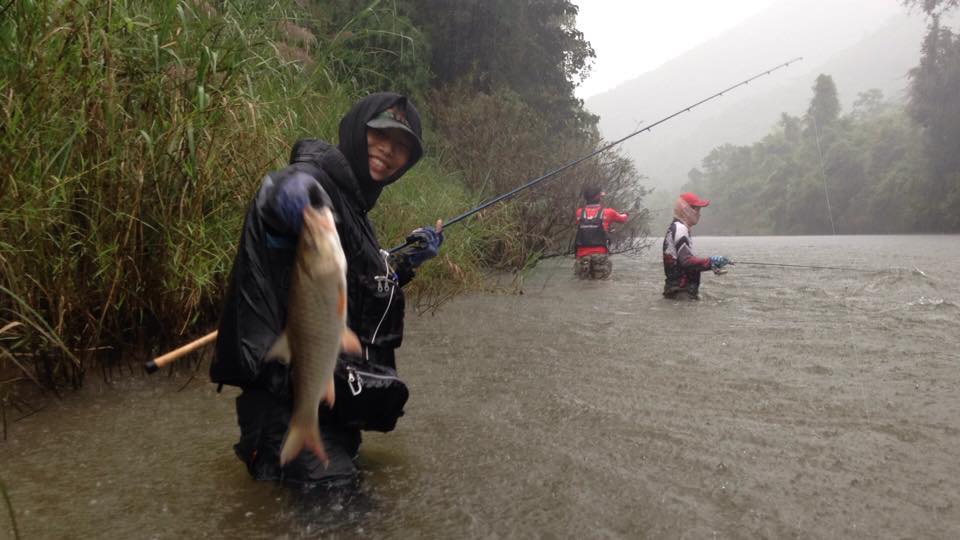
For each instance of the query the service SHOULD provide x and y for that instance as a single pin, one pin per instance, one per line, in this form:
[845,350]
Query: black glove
[292,195]
[424,244]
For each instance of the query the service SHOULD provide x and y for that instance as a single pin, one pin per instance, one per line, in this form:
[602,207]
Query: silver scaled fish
[315,328]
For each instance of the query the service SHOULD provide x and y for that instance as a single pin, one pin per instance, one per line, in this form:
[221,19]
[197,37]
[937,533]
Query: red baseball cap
[693,200]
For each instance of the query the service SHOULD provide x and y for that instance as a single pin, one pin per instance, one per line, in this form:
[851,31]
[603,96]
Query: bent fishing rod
[152,366]
[554,172]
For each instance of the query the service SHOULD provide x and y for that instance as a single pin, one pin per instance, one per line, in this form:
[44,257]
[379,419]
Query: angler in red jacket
[593,226]
[680,265]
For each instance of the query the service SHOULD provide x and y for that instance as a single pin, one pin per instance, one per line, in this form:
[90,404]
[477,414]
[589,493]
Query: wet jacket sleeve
[611,215]
[690,261]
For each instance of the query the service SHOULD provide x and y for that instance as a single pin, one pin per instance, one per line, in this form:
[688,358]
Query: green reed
[9,505]
[133,135]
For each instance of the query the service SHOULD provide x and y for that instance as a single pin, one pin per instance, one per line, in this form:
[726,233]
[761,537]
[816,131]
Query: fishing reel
[721,271]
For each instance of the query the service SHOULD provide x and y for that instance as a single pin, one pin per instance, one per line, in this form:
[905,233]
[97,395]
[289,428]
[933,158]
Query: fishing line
[823,173]
[858,381]
[13,514]
[806,266]
[554,172]
[848,268]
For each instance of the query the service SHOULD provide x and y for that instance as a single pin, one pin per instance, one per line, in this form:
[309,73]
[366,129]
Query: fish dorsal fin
[280,350]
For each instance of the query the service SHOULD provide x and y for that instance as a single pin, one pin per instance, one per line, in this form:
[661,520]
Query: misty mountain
[862,44]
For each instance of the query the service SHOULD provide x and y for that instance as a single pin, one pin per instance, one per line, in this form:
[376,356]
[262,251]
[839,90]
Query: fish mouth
[319,218]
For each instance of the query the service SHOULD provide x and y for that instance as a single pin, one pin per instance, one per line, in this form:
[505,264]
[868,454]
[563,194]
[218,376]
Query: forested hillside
[134,134]
[862,44]
[884,166]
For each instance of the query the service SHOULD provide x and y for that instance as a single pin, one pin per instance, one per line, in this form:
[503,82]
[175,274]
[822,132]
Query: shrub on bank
[134,134]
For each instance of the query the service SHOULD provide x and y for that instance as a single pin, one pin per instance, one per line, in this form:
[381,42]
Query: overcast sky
[631,37]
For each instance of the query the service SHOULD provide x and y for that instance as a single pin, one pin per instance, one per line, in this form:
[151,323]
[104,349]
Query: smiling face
[388,150]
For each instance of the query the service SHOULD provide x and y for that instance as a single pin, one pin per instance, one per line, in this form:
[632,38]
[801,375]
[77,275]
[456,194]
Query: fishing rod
[152,366]
[554,172]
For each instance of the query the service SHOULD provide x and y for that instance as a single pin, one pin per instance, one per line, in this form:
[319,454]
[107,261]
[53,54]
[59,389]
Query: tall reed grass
[133,135]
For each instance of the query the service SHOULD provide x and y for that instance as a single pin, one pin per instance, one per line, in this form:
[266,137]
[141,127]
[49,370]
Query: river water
[787,402]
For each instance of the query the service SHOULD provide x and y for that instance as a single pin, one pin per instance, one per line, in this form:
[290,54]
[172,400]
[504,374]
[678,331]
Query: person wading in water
[681,266]
[593,226]
[379,141]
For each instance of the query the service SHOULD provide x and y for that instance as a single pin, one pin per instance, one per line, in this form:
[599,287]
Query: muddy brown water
[788,402]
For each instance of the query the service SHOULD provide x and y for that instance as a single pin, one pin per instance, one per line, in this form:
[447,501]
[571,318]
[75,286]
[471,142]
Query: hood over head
[322,154]
[592,194]
[353,140]
[686,206]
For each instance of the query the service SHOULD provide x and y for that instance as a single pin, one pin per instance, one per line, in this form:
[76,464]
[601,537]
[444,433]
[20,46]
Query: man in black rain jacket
[380,139]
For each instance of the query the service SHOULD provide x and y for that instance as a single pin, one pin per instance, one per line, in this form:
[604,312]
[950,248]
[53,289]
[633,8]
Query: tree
[825,106]
[876,171]
[868,103]
[531,47]
[933,103]
[791,128]
[933,7]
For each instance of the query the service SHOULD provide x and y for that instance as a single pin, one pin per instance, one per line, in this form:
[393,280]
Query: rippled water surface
[787,402]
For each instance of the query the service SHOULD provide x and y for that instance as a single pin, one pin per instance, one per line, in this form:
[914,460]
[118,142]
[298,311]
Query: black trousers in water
[687,282]
[264,418]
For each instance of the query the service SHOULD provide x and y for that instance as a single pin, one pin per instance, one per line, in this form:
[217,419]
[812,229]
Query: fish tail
[302,436]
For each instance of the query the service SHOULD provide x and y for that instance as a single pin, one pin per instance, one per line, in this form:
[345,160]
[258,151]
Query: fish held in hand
[316,326]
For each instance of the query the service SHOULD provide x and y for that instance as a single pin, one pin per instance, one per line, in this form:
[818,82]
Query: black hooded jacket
[255,309]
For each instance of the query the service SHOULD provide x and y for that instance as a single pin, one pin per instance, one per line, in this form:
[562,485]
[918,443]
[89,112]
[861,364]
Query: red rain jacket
[609,216]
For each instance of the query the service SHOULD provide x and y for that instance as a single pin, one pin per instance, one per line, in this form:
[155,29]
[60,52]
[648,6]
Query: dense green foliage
[134,133]
[504,76]
[934,104]
[499,140]
[883,168]
[856,173]
[933,7]
[532,48]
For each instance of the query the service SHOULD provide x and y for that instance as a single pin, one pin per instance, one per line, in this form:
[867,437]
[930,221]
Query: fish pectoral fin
[330,394]
[280,350]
